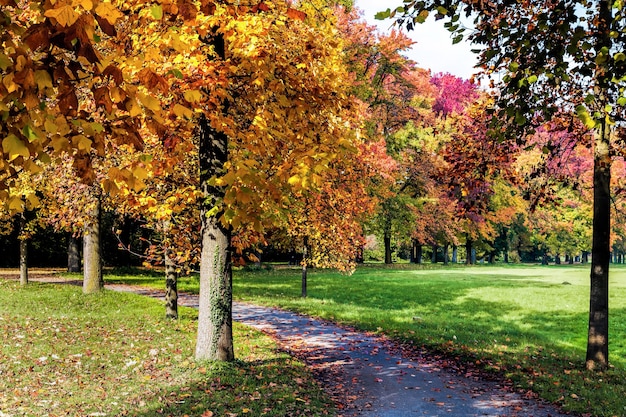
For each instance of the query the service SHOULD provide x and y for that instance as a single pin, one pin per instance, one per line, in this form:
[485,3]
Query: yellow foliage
[65,15]
[108,11]
[14,147]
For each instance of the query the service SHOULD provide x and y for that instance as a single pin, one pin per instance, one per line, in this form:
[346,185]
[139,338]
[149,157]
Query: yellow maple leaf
[150,102]
[85,4]
[64,15]
[16,204]
[193,96]
[182,111]
[109,12]
[14,147]
[81,142]
[43,79]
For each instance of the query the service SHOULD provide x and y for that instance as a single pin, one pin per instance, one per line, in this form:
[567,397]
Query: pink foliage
[454,94]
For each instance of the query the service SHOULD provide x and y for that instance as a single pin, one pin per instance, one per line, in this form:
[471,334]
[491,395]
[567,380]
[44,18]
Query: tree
[549,57]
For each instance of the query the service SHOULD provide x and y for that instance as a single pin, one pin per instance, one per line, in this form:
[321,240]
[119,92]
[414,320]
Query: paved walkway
[370,375]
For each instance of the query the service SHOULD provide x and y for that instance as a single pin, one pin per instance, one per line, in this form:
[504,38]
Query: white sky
[434,49]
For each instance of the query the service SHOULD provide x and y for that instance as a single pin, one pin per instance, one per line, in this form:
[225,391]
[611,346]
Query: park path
[369,376]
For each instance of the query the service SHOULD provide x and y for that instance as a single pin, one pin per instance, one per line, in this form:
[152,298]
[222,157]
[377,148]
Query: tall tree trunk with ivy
[215,337]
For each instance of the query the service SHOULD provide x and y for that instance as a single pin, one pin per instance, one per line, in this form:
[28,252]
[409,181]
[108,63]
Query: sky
[433,49]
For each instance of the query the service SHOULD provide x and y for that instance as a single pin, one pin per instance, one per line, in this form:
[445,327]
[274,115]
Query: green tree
[549,57]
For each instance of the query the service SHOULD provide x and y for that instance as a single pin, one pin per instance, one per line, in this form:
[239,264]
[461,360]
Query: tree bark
[23,243]
[468,251]
[455,254]
[171,287]
[419,255]
[433,256]
[387,240]
[92,260]
[305,261]
[73,255]
[598,333]
[505,236]
[23,261]
[215,336]
[446,253]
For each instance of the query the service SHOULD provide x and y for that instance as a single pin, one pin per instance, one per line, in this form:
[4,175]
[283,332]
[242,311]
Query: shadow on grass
[268,387]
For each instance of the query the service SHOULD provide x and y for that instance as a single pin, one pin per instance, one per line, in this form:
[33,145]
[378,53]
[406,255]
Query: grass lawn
[526,323]
[114,354]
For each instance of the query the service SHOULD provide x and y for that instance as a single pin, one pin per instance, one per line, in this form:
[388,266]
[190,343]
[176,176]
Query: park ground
[523,325]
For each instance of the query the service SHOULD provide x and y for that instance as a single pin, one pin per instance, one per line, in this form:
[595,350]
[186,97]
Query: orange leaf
[296,14]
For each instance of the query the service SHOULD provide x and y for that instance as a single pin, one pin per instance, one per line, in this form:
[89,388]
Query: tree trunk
[505,236]
[557,259]
[446,253]
[419,254]
[23,261]
[23,244]
[455,254]
[433,256]
[469,254]
[544,258]
[73,255]
[598,332]
[92,261]
[171,287]
[215,336]
[387,239]
[305,261]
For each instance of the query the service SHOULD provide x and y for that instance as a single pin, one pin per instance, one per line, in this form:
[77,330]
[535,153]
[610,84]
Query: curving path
[368,375]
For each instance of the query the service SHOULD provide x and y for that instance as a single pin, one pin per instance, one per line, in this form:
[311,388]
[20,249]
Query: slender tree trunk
[469,251]
[419,254]
[305,261]
[171,287]
[387,241]
[23,243]
[557,259]
[505,236]
[73,255]
[446,253]
[215,336]
[23,261]
[92,260]
[544,258]
[598,333]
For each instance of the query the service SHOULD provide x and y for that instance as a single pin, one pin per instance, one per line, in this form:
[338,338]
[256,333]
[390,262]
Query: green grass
[527,324]
[113,354]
